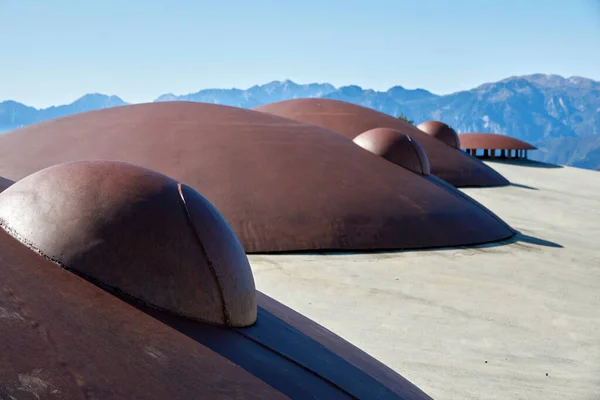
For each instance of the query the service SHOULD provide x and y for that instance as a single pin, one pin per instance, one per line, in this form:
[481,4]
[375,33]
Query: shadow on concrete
[523,186]
[518,237]
[521,237]
[525,163]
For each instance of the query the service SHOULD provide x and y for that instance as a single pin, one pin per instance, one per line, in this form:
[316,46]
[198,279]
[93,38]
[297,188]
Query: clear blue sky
[54,51]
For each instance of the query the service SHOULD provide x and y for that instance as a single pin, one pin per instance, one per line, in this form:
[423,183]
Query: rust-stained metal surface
[492,141]
[74,340]
[441,131]
[447,163]
[137,232]
[282,185]
[68,337]
[395,147]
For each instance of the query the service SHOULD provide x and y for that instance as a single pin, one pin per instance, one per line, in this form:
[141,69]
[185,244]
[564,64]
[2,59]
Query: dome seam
[211,267]
[412,146]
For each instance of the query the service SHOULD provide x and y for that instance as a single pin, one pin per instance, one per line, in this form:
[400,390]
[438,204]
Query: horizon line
[298,84]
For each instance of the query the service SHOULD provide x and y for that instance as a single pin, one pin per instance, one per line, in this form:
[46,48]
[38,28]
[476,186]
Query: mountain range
[559,115]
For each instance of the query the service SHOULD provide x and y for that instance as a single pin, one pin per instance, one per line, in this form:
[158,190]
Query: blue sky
[52,52]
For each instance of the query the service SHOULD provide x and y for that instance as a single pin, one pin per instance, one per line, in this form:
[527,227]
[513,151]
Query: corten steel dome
[395,147]
[488,143]
[86,314]
[441,131]
[281,184]
[351,120]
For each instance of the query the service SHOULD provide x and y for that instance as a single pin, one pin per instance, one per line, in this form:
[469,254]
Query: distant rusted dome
[396,147]
[4,183]
[493,141]
[136,232]
[350,120]
[441,131]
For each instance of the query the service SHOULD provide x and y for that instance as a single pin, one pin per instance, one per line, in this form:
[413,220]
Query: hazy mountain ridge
[533,108]
[560,115]
[256,95]
[582,152]
[15,115]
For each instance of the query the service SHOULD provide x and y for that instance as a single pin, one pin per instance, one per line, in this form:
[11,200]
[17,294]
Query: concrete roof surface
[516,320]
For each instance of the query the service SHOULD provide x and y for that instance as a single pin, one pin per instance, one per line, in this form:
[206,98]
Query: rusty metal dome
[441,131]
[395,147]
[492,141]
[281,184]
[350,120]
[136,232]
[138,311]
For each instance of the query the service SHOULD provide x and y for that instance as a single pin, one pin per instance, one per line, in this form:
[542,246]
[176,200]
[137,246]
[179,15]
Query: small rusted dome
[135,232]
[441,131]
[396,147]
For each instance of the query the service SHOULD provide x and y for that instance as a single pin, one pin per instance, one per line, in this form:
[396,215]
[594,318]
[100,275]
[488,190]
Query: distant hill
[559,115]
[15,115]
[581,152]
[256,95]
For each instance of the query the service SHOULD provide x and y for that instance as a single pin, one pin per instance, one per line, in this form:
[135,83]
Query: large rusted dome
[281,184]
[441,131]
[79,317]
[447,163]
